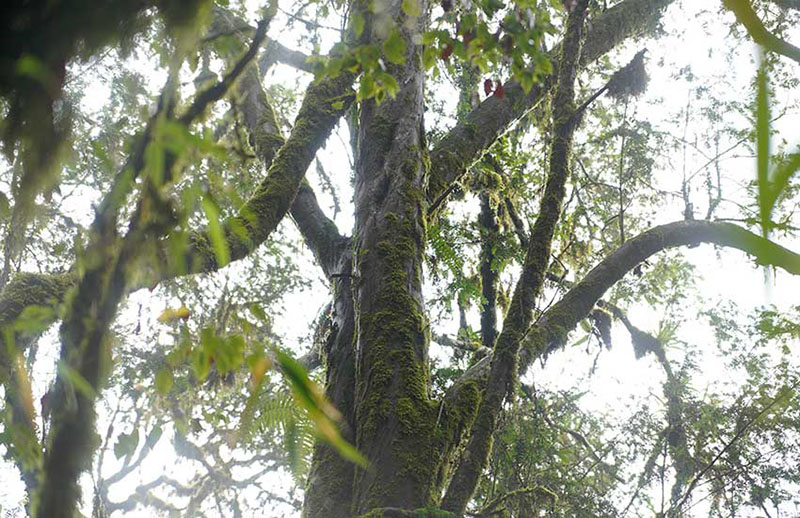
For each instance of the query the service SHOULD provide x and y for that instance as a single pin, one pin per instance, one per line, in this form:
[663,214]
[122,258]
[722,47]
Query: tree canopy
[400,258]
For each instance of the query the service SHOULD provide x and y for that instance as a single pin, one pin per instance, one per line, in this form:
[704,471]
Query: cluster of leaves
[494,37]
[488,35]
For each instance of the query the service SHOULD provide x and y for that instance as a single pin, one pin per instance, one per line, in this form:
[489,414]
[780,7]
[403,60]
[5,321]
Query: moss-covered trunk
[330,483]
[395,417]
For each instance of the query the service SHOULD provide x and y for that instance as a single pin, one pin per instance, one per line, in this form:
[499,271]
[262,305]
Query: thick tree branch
[471,137]
[85,351]
[550,333]
[276,52]
[520,312]
[490,232]
[316,120]
[319,232]
[324,104]
[270,202]
[747,16]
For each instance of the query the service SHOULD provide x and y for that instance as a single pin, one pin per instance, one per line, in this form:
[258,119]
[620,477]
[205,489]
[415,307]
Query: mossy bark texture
[395,417]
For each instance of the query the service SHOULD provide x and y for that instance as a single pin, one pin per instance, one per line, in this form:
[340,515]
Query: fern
[280,414]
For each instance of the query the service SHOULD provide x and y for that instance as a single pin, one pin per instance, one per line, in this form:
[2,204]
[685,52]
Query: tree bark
[537,258]
[395,417]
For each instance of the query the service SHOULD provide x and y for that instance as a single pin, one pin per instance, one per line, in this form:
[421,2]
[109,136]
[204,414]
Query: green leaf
[367,88]
[388,83]
[258,312]
[126,444]
[429,57]
[4,206]
[164,381]
[394,47]
[216,232]
[309,396]
[781,176]
[78,382]
[153,437]
[259,364]
[358,24]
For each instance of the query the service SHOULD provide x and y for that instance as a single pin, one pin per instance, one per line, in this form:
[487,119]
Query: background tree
[534,208]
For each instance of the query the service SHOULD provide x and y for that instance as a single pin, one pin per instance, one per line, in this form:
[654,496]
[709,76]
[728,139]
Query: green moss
[30,289]
[396,330]
[273,197]
[446,167]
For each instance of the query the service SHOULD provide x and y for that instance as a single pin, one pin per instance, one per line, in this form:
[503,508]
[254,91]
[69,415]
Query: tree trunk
[329,488]
[395,417]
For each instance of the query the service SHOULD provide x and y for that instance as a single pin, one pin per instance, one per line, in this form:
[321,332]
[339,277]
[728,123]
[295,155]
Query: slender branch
[787,4]
[520,312]
[785,391]
[278,53]
[755,27]
[214,93]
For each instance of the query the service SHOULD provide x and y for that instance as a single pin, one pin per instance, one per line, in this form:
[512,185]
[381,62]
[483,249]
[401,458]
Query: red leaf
[499,91]
[447,51]
[488,86]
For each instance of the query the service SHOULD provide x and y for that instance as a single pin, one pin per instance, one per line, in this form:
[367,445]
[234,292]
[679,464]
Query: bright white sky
[620,382]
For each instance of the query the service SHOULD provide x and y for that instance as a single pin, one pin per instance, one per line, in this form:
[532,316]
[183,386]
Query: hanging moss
[630,80]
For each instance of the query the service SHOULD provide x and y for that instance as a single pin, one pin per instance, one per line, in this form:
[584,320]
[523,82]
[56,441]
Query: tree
[191,188]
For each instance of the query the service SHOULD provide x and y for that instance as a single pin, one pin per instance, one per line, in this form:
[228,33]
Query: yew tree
[504,180]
